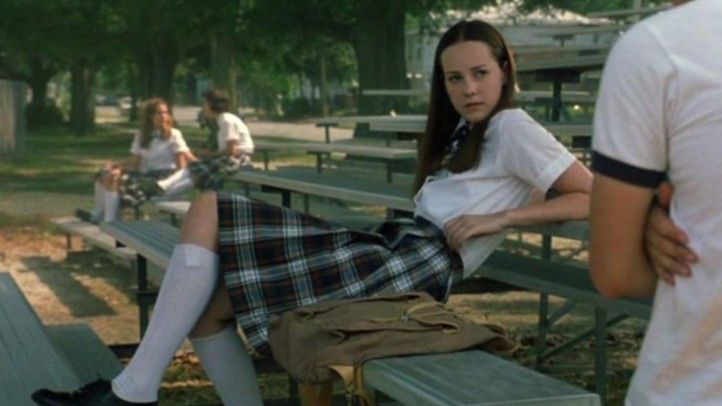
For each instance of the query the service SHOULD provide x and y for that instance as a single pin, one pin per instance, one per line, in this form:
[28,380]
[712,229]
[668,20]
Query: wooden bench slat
[355,190]
[152,239]
[468,378]
[369,151]
[93,235]
[83,350]
[28,359]
[335,214]
[567,281]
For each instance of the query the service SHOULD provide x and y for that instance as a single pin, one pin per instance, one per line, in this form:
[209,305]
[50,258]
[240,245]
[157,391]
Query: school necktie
[458,139]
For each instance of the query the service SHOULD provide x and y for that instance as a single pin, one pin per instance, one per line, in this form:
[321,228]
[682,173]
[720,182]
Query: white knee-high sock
[112,206]
[229,366]
[180,187]
[176,176]
[188,285]
[98,202]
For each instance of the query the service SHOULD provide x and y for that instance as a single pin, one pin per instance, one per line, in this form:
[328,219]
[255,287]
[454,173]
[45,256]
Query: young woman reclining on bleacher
[158,151]
[239,261]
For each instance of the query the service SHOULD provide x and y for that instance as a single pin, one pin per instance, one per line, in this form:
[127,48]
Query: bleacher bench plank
[388,155]
[93,235]
[85,353]
[554,278]
[396,197]
[33,356]
[28,359]
[177,210]
[468,378]
[151,239]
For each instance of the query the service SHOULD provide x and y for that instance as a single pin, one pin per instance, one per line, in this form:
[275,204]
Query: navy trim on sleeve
[626,173]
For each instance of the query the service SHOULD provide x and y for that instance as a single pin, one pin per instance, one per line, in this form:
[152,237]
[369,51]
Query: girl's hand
[190,156]
[464,227]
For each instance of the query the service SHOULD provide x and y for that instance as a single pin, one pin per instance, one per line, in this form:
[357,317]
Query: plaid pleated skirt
[137,187]
[275,259]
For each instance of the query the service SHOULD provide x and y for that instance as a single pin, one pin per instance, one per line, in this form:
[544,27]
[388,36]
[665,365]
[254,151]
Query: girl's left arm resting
[574,186]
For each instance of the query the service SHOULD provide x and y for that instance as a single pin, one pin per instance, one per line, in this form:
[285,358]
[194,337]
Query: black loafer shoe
[98,393]
[150,187]
[84,215]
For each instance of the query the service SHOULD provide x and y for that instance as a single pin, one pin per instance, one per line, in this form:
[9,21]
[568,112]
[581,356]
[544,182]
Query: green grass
[53,160]
[53,173]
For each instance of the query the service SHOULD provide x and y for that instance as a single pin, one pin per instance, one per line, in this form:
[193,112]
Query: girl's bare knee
[217,316]
[206,328]
[201,223]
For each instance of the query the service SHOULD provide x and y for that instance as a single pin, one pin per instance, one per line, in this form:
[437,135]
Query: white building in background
[520,30]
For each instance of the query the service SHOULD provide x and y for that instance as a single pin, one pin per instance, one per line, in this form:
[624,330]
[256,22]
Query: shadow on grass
[56,161]
[64,279]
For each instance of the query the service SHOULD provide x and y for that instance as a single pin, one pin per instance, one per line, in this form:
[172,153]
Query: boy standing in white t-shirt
[659,114]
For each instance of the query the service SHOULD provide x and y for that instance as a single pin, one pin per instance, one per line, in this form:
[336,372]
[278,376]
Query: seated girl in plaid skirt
[158,151]
[481,161]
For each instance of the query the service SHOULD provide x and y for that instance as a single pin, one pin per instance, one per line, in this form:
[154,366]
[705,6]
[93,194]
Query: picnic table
[394,92]
[328,122]
[629,13]
[34,355]
[566,33]
[546,96]
[561,70]
[531,51]
[574,135]
[388,155]
[362,191]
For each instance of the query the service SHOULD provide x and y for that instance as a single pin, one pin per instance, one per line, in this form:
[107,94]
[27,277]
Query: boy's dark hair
[218,100]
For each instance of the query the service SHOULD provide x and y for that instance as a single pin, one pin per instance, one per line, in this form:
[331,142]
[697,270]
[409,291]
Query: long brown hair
[442,118]
[147,112]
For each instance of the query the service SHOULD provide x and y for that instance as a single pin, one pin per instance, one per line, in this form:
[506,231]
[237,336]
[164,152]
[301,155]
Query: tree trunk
[12,124]
[134,86]
[165,60]
[39,89]
[379,44]
[38,112]
[156,68]
[82,104]
[144,78]
[323,86]
[223,64]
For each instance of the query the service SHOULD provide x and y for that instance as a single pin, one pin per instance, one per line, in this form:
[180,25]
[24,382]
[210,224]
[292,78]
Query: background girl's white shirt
[160,153]
[517,157]
[232,128]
